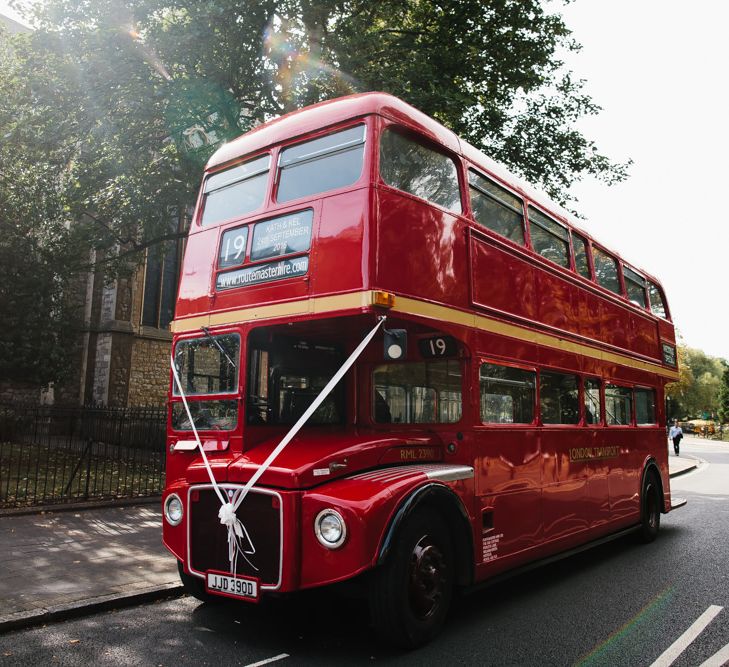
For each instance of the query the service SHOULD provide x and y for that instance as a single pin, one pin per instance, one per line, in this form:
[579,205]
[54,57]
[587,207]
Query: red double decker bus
[396,363]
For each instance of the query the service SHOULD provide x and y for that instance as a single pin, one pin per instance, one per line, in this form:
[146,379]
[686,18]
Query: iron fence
[52,454]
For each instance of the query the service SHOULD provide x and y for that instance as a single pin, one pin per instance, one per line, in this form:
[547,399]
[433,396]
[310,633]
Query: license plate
[241,588]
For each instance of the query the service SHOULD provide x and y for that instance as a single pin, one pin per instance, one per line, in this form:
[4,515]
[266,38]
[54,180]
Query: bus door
[566,460]
[593,435]
[623,473]
[507,461]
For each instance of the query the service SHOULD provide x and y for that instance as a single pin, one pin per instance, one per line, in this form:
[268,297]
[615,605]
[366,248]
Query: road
[619,604]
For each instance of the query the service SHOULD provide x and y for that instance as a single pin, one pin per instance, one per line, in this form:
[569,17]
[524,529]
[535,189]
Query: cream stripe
[328,304]
[324,304]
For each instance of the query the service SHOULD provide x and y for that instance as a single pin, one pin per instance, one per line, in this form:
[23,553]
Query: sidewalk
[66,563]
[678,465]
[60,564]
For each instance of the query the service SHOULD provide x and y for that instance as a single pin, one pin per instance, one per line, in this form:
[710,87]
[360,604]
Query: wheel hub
[427,578]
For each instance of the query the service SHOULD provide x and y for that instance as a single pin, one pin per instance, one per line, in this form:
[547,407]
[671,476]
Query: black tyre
[410,594]
[650,508]
[194,585]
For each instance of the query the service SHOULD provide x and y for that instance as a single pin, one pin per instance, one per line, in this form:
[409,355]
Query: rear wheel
[650,508]
[411,593]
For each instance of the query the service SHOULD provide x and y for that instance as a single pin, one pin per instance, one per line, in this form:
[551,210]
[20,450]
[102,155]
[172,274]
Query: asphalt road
[620,604]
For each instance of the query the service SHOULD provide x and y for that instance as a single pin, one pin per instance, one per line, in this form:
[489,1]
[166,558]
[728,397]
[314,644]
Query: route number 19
[437,346]
[233,247]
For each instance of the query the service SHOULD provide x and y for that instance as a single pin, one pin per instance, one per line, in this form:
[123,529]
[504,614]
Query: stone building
[124,347]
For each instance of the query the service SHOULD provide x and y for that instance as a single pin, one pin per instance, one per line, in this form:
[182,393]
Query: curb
[28,619]
[693,466]
[75,507]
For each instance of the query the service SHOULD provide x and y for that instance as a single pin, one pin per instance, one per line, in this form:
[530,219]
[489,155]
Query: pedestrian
[675,434]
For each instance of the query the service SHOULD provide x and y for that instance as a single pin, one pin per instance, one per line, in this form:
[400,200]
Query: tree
[724,397]
[113,107]
[697,389]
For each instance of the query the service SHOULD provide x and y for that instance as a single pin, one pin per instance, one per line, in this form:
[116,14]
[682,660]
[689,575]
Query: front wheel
[650,508]
[411,593]
[194,585]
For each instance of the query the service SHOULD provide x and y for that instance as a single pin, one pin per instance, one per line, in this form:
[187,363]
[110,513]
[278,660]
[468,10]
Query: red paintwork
[370,236]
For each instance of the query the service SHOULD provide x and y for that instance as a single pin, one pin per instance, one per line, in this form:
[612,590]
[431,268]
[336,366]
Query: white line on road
[681,644]
[269,660]
[718,659]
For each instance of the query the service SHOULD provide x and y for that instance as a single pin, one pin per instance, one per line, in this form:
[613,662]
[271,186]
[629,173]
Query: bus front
[274,298]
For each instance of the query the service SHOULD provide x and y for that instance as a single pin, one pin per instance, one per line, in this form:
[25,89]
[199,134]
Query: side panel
[508,483]
[508,281]
[566,503]
[420,250]
[500,280]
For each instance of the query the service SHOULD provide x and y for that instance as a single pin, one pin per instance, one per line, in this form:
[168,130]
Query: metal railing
[51,455]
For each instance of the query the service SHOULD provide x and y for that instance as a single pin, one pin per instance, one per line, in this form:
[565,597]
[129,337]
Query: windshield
[208,365]
[286,375]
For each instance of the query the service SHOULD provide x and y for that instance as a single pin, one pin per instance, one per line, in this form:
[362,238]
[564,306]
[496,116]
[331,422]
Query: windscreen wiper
[217,344]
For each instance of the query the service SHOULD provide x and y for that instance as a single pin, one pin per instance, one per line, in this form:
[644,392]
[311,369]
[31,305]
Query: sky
[658,70]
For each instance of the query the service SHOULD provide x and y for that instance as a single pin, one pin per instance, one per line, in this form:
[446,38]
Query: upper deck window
[496,208]
[606,270]
[635,287]
[658,306]
[329,162]
[549,238]
[582,266]
[236,191]
[409,166]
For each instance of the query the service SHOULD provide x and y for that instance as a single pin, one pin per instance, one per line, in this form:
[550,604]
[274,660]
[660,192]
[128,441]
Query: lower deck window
[618,405]
[592,402]
[206,415]
[423,392]
[507,394]
[645,406]
[558,398]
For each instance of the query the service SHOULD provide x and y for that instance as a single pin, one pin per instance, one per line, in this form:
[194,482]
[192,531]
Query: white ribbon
[237,534]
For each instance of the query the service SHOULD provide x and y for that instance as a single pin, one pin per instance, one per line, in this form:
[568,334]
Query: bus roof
[331,112]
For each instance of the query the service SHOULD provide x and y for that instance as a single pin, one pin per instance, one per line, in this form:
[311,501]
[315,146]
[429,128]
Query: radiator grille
[260,513]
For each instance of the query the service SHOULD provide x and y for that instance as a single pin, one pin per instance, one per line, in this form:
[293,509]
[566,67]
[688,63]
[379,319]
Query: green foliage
[109,110]
[698,389]
[723,397]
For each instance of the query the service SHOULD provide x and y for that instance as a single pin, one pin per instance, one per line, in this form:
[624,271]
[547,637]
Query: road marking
[718,659]
[681,644]
[275,658]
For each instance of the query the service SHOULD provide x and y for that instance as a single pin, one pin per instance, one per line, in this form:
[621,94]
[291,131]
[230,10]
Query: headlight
[173,509]
[330,528]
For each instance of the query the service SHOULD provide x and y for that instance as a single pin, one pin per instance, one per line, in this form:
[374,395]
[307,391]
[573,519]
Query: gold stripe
[328,304]
[323,304]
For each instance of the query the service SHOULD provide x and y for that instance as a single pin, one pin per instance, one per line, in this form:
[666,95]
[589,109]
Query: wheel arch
[439,498]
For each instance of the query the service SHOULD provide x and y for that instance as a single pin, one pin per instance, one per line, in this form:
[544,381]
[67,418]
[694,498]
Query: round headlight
[173,509]
[330,529]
